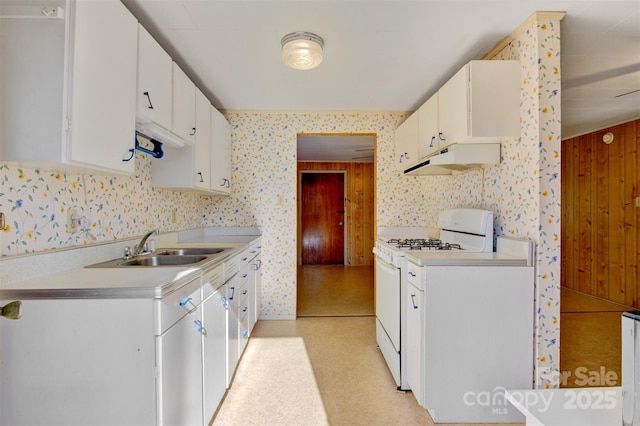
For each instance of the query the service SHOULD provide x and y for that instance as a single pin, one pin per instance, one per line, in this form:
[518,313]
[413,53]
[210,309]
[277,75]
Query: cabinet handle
[433,139]
[149,100]
[244,309]
[413,300]
[411,274]
[225,183]
[233,292]
[441,136]
[199,326]
[257,265]
[193,131]
[245,334]
[225,304]
[12,310]
[185,301]
[200,174]
[245,292]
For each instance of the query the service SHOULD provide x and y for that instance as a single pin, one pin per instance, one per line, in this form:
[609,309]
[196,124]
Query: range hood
[457,158]
[151,130]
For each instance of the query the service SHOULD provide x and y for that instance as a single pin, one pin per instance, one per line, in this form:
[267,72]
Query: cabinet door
[74,104]
[64,363]
[180,369]
[154,81]
[415,357]
[101,109]
[407,143]
[233,294]
[453,108]
[428,133]
[220,153]
[255,282]
[202,157]
[183,105]
[214,316]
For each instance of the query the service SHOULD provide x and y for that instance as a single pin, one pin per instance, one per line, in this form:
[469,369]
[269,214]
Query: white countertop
[461,258]
[126,282]
[600,406]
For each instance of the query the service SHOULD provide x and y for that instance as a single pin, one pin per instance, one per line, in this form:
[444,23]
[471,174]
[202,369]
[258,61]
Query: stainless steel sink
[150,261]
[164,260]
[189,251]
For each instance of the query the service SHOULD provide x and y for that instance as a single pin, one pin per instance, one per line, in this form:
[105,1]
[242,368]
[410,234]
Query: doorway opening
[336,217]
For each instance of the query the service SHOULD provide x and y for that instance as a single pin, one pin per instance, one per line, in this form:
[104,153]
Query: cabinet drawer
[247,256]
[231,268]
[212,281]
[176,305]
[414,275]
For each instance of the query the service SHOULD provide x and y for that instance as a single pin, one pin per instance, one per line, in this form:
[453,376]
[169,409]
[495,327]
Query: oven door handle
[413,301]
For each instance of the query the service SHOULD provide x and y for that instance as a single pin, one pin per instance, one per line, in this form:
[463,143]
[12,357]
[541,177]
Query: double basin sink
[163,257]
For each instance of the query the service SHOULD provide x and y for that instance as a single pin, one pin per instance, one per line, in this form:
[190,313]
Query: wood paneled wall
[600,234]
[359,206]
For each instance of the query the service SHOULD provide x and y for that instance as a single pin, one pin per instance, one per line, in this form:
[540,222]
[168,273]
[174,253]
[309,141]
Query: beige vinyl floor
[336,320]
[590,340]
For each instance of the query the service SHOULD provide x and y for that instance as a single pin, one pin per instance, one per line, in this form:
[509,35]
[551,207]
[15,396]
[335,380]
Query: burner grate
[423,244]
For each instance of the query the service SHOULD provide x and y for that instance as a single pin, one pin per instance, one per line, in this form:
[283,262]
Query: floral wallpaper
[523,191]
[36,204]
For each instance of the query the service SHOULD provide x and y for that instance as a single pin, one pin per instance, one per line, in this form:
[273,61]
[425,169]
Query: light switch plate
[638,202]
[1,221]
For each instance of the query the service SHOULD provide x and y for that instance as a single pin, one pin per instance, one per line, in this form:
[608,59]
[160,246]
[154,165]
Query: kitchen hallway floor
[335,290]
[353,380]
[590,340]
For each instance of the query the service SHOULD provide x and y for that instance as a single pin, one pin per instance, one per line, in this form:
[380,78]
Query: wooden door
[322,209]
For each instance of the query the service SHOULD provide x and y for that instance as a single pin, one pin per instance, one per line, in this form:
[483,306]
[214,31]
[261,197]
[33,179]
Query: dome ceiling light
[302,50]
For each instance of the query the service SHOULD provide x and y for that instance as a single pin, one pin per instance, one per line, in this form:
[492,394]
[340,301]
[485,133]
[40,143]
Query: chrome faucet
[140,247]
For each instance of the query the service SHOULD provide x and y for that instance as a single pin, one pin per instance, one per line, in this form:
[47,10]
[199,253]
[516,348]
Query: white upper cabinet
[202,160]
[189,167]
[68,87]
[155,71]
[480,103]
[184,105]
[407,142]
[220,153]
[428,131]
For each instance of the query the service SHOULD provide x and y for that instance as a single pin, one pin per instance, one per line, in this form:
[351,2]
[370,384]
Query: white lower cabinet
[131,361]
[214,350]
[469,338]
[255,279]
[79,361]
[415,341]
[233,290]
[179,352]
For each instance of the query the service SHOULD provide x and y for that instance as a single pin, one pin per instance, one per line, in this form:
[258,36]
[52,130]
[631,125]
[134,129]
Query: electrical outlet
[2,225]
[173,215]
[72,224]
[638,202]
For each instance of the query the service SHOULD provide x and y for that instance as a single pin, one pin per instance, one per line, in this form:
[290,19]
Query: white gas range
[464,238]
[461,230]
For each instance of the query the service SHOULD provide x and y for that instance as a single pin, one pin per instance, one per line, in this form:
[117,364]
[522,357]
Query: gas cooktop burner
[423,244]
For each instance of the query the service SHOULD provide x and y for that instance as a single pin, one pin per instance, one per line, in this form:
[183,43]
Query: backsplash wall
[36,203]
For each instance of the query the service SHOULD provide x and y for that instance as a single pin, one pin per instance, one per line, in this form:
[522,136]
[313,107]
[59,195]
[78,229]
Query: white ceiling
[389,55]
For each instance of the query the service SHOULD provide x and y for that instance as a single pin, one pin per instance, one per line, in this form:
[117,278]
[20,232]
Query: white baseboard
[276,317]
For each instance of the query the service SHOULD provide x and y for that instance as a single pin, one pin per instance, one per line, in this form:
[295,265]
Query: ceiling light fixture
[302,50]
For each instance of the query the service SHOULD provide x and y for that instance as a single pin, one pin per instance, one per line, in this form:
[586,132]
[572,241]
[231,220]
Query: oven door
[388,300]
